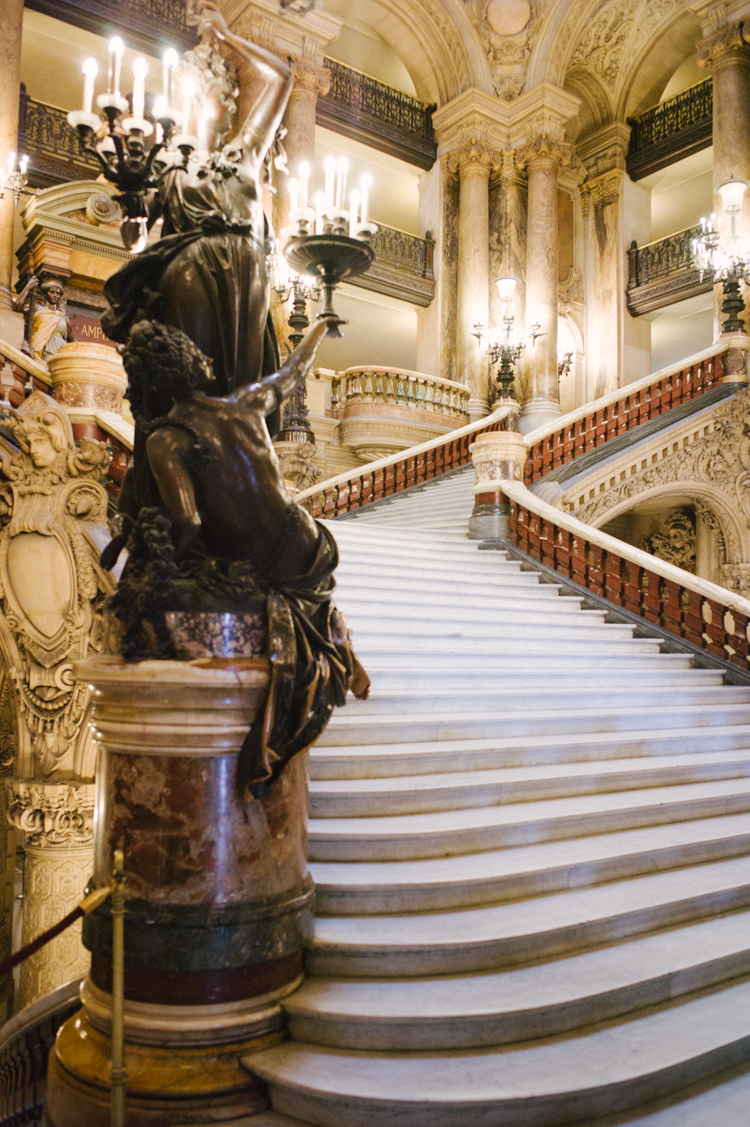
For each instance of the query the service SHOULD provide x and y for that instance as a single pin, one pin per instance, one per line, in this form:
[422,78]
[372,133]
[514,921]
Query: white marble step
[436,565]
[722,1099]
[452,833]
[348,728]
[533,697]
[541,1000]
[442,756]
[474,622]
[399,644]
[392,677]
[535,1085]
[437,884]
[493,936]
[388,580]
[543,664]
[363,596]
[411,794]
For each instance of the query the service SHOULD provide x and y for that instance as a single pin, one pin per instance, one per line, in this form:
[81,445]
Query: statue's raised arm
[259,128]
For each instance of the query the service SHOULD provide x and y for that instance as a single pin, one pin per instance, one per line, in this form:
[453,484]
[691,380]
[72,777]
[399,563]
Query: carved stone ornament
[546,148]
[309,77]
[295,459]
[676,542]
[51,586]
[720,461]
[52,816]
[726,44]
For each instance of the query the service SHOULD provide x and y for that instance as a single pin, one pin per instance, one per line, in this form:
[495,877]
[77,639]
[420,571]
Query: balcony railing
[148,25]
[662,272]
[364,109]
[54,152]
[401,388]
[672,130]
[403,267]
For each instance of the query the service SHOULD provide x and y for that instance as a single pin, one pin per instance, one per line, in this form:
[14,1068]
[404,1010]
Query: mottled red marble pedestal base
[218,897]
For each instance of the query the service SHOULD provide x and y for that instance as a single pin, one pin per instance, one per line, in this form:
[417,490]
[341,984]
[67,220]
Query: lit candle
[170,61]
[24,164]
[116,51]
[203,122]
[140,70]
[160,107]
[366,184]
[341,168]
[355,199]
[304,180]
[159,134]
[330,169]
[188,90]
[320,207]
[293,195]
[11,163]
[90,70]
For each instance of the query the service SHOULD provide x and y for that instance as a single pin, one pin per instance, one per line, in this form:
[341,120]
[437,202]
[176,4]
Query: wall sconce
[724,256]
[504,347]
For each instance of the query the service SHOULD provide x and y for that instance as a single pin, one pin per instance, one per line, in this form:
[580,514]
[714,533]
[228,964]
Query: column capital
[284,32]
[545,150]
[605,150]
[310,77]
[604,188]
[52,816]
[474,154]
[726,45]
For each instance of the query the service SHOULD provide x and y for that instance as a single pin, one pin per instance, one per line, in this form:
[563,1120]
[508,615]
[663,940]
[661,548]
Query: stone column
[310,81]
[218,897]
[57,823]
[11,24]
[474,164]
[542,158]
[727,55]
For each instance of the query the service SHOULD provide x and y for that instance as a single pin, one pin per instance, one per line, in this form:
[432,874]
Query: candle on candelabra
[366,184]
[330,171]
[140,70]
[170,61]
[293,195]
[188,90]
[320,207]
[24,164]
[355,200]
[206,115]
[116,51]
[90,71]
[342,169]
[304,180]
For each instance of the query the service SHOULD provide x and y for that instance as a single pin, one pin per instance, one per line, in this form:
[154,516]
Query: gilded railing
[663,272]
[362,107]
[673,129]
[43,132]
[401,388]
[403,251]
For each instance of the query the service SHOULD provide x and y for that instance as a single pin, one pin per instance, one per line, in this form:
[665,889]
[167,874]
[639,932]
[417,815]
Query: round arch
[435,39]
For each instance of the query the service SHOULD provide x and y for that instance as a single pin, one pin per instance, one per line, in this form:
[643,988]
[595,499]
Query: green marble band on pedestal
[218,896]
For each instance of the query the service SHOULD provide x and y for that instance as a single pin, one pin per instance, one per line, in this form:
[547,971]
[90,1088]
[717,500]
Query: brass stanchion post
[119,1073]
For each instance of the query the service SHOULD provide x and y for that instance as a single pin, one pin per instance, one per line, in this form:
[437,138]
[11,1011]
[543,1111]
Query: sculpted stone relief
[509,30]
[51,587]
[676,544]
[718,464]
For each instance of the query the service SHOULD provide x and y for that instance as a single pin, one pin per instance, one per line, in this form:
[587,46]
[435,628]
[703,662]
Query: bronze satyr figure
[208,521]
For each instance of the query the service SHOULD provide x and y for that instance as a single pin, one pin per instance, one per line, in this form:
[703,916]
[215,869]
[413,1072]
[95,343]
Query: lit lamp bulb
[732,193]
[169,61]
[116,51]
[506,288]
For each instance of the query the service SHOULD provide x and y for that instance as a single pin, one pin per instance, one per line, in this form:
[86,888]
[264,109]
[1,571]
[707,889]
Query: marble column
[508,248]
[727,54]
[474,164]
[310,81]
[57,824]
[605,289]
[218,897]
[11,25]
[542,158]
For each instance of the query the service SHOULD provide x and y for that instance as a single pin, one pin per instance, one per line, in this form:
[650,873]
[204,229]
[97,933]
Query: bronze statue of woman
[206,275]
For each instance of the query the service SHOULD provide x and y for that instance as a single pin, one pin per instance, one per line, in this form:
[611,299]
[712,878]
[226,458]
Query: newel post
[498,456]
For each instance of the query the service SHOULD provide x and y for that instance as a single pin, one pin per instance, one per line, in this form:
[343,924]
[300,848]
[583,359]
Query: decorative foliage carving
[600,49]
[52,816]
[509,40]
[311,77]
[726,43]
[547,147]
[720,460]
[676,544]
[51,587]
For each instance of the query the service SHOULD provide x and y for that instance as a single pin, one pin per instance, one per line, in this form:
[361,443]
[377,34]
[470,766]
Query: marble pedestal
[498,456]
[218,898]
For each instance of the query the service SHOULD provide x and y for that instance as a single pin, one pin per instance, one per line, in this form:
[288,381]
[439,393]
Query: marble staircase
[531,848]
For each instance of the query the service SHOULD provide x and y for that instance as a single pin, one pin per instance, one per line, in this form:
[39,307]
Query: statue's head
[42,437]
[52,292]
[163,360]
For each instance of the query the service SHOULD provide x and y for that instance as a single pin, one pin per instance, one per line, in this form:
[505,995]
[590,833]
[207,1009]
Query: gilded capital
[473,154]
[308,76]
[52,815]
[726,45]
[544,150]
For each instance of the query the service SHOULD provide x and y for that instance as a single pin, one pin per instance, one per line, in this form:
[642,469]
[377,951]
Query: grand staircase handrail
[593,424]
[687,606]
[370,469]
[27,363]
